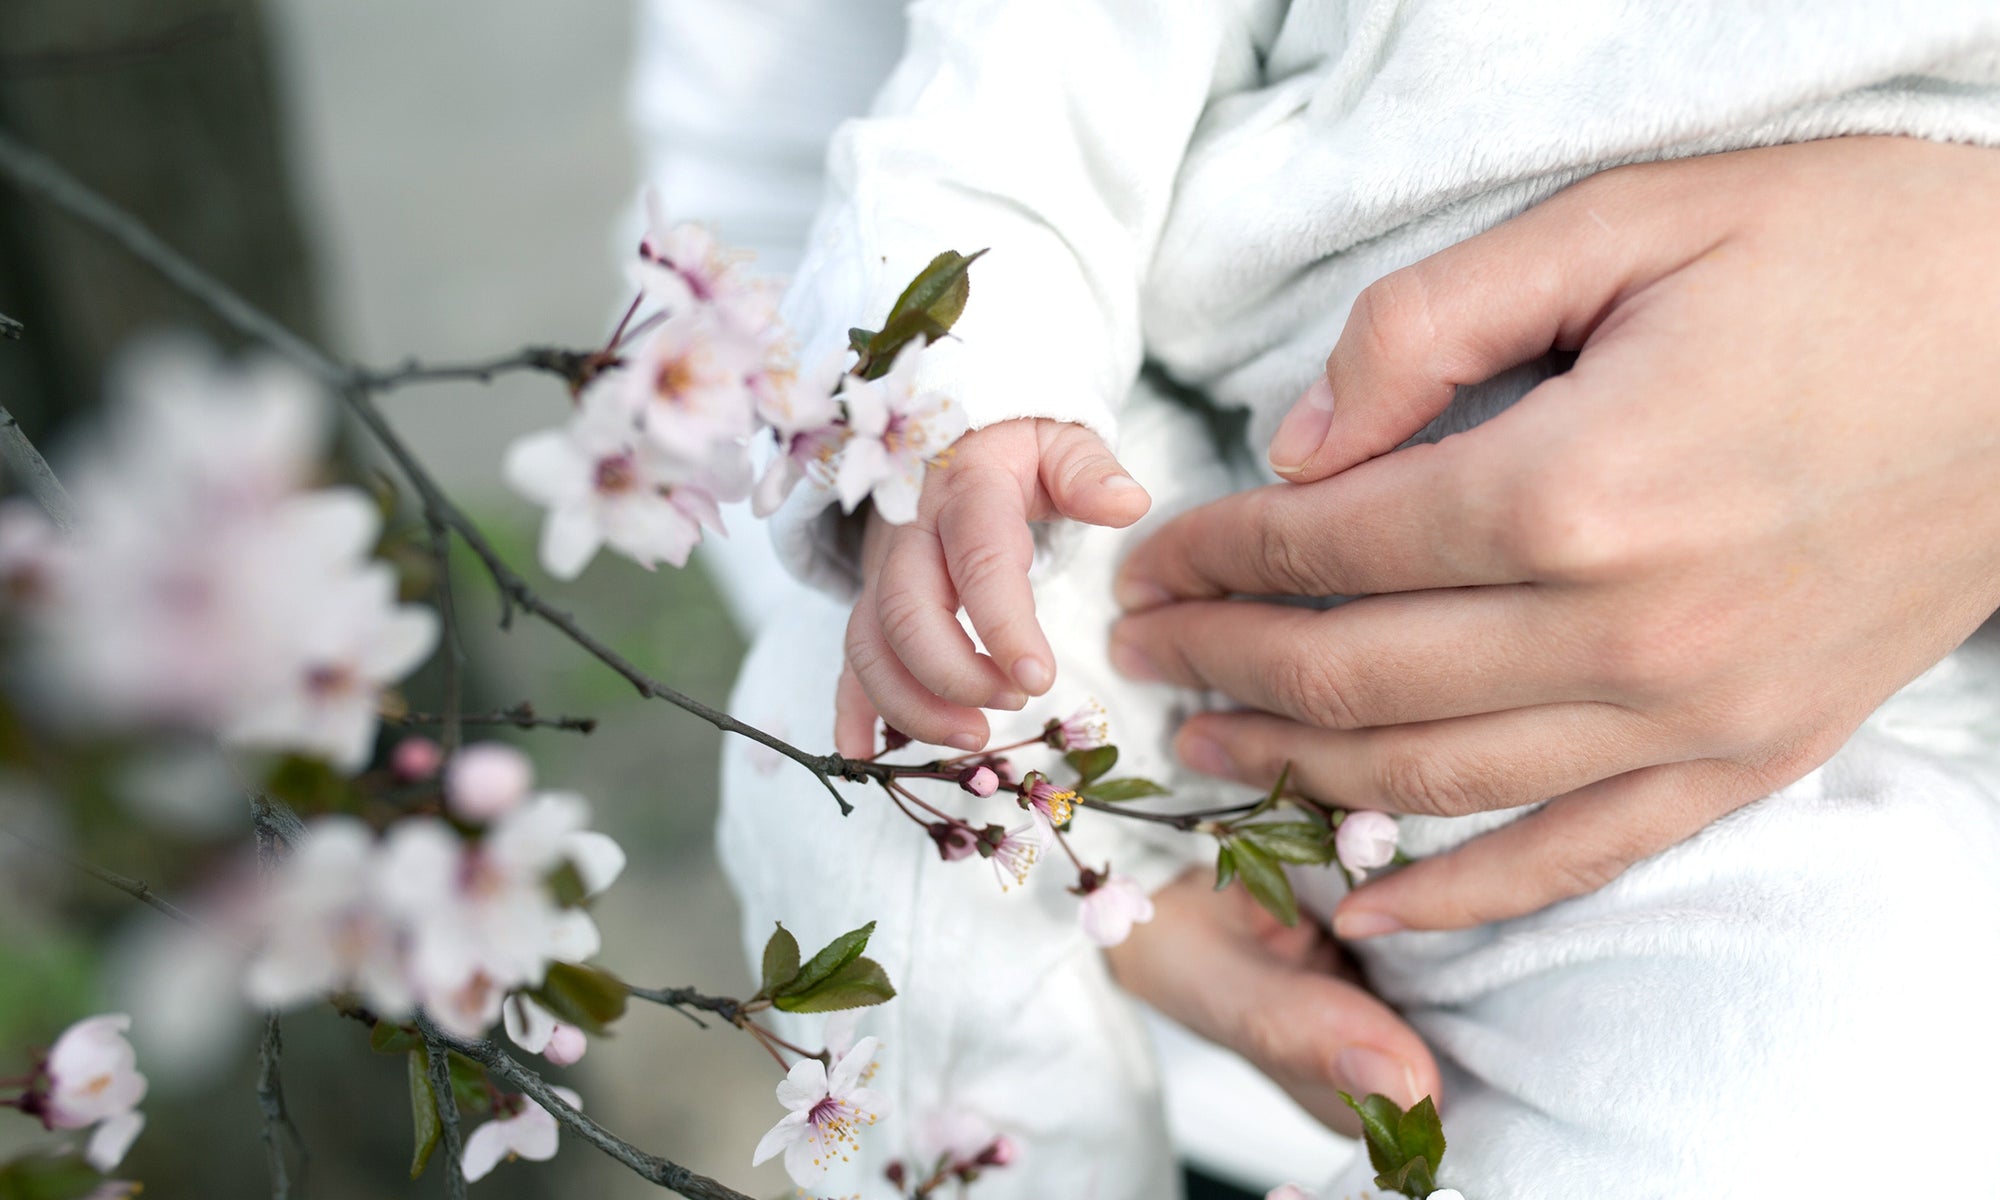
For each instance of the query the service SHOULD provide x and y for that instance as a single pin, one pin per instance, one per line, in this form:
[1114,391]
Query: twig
[135,888]
[38,175]
[27,462]
[685,1000]
[275,819]
[114,54]
[651,1167]
[449,721]
[574,366]
[277,1116]
[437,1057]
[521,716]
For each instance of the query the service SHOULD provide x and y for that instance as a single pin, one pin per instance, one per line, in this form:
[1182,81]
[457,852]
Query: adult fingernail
[1133,664]
[1033,674]
[1008,699]
[1370,1072]
[1303,429]
[965,741]
[1205,755]
[1134,595]
[1360,924]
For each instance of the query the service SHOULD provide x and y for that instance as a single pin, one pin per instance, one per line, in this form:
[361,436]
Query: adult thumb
[1543,280]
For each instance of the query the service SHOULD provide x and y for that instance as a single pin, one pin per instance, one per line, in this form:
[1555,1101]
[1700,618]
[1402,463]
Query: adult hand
[1665,583]
[1225,968]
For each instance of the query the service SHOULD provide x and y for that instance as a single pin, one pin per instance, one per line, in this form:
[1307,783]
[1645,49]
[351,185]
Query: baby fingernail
[1205,755]
[1304,428]
[1033,674]
[1370,1072]
[965,741]
[1354,926]
[1120,483]
[1132,664]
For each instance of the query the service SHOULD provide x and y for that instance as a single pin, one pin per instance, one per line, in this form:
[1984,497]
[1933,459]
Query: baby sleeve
[1049,133]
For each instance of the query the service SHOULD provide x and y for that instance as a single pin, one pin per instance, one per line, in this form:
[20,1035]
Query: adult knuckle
[1395,318]
[1565,524]
[1418,781]
[1316,686]
[1281,555]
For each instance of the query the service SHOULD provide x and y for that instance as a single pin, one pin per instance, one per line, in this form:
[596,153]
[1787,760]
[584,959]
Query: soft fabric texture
[1209,184]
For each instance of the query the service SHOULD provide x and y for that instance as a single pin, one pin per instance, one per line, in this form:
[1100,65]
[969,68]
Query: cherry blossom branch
[41,177]
[27,462]
[277,1116]
[521,716]
[138,889]
[651,1167]
[437,1057]
[573,366]
[686,1000]
[452,652]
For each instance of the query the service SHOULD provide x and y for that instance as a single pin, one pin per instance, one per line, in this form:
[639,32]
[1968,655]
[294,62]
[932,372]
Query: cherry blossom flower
[93,1080]
[1365,841]
[828,1111]
[526,1131]
[1015,851]
[1085,729]
[806,417]
[962,1143]
[897,432]
[326,930]
[685,267]
[354,642]
[1288,1191]
[29,548]
[536,1030]
[689,387]
[606,484]
[487,781]
[1055,804]
[1112,907]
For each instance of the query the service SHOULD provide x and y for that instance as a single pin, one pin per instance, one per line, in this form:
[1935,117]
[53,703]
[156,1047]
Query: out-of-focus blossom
[536,1030]
[415,759]
[897,430]
[487,781]
[326,928]
[1288,1191]
[1446,1194]
[1365,841]
[961,1142]
[111,1139]
[604,483]
[527,1131]
[567,1045]
[1085,729]
[805,417]
[1110,909]
[828,1111]
[685,267]
[688,386]
[29,546]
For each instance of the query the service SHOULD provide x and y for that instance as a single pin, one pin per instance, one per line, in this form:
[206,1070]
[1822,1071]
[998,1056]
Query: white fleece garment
[1210,184]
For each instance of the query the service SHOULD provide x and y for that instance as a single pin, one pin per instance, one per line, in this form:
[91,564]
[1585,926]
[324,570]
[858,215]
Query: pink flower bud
[980,781]
[415,759]
[487,781]
[1365,841]
[896,1174]
[566,1045]
[1000,1153]
[893,738]
[954,842]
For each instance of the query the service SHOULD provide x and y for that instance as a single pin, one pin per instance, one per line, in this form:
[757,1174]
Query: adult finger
[1380,660]
[1542,280]
[896,694]
[1437,768]
[982,528]
[1423,518]
[916,607]
[1572,846]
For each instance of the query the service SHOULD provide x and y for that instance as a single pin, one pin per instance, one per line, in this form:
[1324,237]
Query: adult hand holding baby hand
[909,660]
[1664,584]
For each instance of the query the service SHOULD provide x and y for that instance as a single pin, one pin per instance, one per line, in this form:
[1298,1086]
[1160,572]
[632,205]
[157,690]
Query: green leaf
[781,960]
[1416,1178]
[858,339]
[1266,881]
[1225,865]
[48,1177]
[390,1038]
[940,289]
[1303,842]
[589,998]
[1091,765]
[1381,1117]
[424,1125]
[470,1089]
[1420,1134]
[859,984]
[901,330]
[1117,791]
[835,955]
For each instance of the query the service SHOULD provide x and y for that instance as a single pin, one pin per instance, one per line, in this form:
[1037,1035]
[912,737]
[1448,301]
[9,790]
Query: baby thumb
[1085,482]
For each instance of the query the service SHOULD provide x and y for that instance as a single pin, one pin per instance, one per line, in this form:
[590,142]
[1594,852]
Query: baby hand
[908,659]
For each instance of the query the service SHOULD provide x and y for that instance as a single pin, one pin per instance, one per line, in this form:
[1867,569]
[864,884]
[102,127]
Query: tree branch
[573,366]
[277,1117]
[437,1056]
[686,1000]
[651,1167]
[521,716]
[38,175]
[27,462]
[135,888]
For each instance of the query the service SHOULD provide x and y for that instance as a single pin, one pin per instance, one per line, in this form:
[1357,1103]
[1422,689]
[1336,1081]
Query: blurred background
[452,179]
